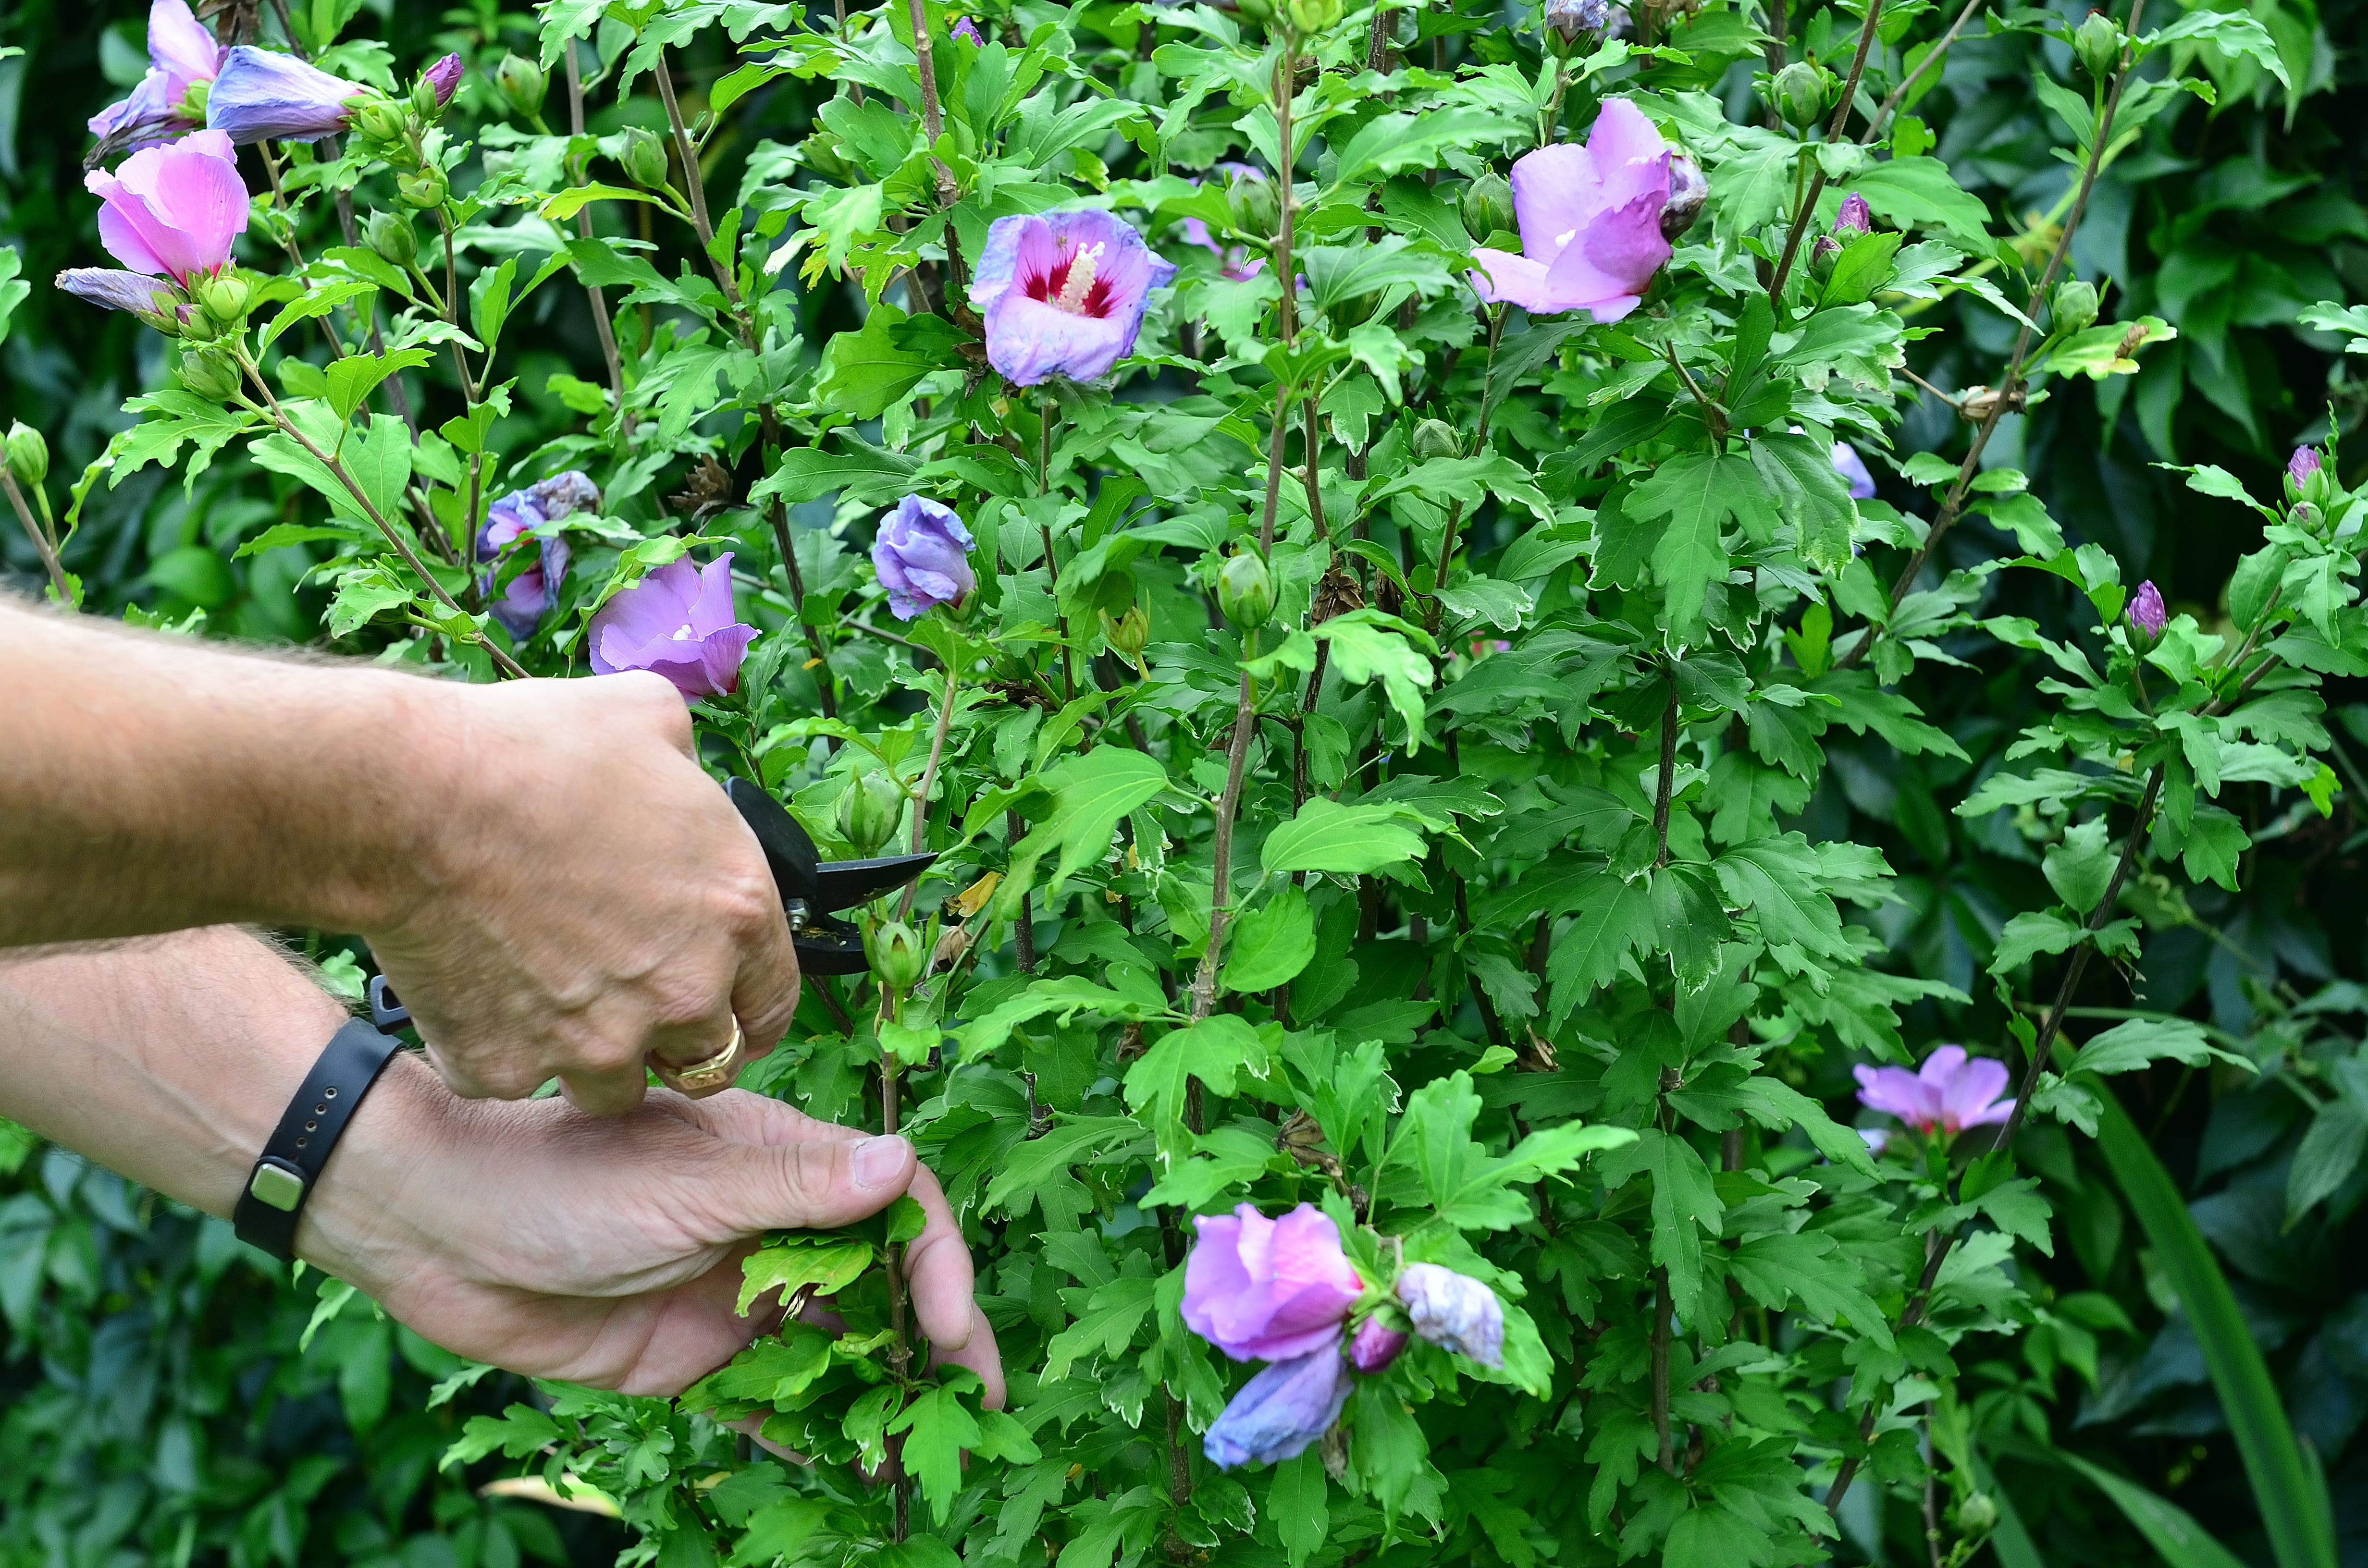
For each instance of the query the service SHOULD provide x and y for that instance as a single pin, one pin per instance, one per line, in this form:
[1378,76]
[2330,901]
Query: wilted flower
[182,56]
[1284,1409]
[262,95]
[512,517]
[1576,19]
[172,210]
[2146,613]
[1950,1093]
[1590,221]
[1688,191]
[134,291]
[2303,466]
[1374,1345]
[1063,293]
[1852,467]
[443,79]
[1238,262]
[1272,1289]
[1454,1312]
[678,621]
[923,558]
[966,29]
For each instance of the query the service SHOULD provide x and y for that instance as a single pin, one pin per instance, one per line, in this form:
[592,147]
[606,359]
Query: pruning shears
[813,891]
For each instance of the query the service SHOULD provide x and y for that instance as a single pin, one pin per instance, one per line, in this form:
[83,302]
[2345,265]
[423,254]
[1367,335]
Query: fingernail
[879,1162]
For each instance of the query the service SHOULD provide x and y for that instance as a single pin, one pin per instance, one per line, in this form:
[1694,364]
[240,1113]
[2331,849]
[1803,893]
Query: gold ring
[700,1079]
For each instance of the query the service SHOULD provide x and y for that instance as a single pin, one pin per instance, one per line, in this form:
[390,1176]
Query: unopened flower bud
[210,372]
[1977,1514]
[869,810]
[225,298]
[1374,1345]
[394,238]
[1853,218]
[1255,204]
[1454,1312]
[1436,438]
[2074,306]
[1688,191]
[442,79]
[522,84]
[2146,615]
[1802,92]
[376,118]
[2303,467]
[1314,16]
[426,189]
[1246,590]
[1575,20]
[1488,207]
[895,954]
[645,158]
[1130,633]
[2099,44]
[28,454]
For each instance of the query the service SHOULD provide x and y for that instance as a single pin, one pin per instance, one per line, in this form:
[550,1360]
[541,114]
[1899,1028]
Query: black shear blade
[842,884]
[799,870]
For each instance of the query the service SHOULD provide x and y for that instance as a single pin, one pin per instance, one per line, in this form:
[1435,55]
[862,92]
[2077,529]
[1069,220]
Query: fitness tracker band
[283,1179]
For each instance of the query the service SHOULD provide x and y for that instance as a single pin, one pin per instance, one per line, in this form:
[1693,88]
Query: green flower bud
[379,119]
[1488,207]
[1977,1514]
[1436,438]
[896,955]
[1804,92]
[645,158]
[193,101]
[210,372]
[1246,590]
[522,83]
[2074,306]
[426,189]
[197,326]
[2099,44]
[392,236]
[1255,203]
[29,455]
[869,811]
[1130,633]
[1314,16]
[225,298]
[1256,10]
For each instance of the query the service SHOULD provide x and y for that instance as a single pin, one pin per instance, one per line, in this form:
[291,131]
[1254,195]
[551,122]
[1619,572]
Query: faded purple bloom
[1375,1346]
[964,27]
[1590,221]
[1854,218]
[445,78]
[511,518]
[1573,18]
[923,558]
[182,54]
[1284,1409]
[1268,1288]
[1063,293]
[2146,611]
[2303,466]
[678,621]
[173,209]
[262,95]
[1688,191]
[1950,1093]
[134,291]
[1875,1137]
[1852,467]
[1454,1312]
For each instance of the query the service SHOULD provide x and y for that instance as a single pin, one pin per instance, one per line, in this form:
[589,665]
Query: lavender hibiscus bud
[679,621]
[869,810]
[1687,190]
[922,557]
[895,954]
[1374,1345]
[28,454]
[522,85]
[1802,93]
[1853,218]
[1453,1311]
[443,80]
[2303,467]
[261,96]
[965,30]
[1271,1289]
[1283,1410]
[150,299]
[2146,614]
[1246,589]
[1063,293]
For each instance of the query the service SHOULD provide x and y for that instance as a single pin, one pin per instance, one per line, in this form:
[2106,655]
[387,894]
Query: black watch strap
[273,1199]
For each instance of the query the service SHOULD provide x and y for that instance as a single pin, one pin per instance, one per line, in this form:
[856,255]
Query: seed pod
[392,236]
[426,189]
[2074,306]
[1246,590]
[645,158]
[522,83]
[2099,44]
[1488,207]
[1802,94]
[28,454]
[896,955]
[869,811]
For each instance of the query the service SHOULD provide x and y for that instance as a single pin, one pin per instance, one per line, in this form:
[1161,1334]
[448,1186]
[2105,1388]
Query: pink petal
[710,606]
[181,46]
[1612,260]
[1631,159]
[1941,1068]
[1556,191]
[1894,1091]
[1967,1100]
[1516,279]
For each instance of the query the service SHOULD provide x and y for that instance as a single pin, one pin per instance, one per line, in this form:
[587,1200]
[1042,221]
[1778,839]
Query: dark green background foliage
[159,1408]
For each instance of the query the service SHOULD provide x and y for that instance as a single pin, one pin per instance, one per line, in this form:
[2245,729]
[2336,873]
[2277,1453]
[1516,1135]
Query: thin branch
[1809,210]
[584,230]
[928,782]
[42,544]
[1907,82]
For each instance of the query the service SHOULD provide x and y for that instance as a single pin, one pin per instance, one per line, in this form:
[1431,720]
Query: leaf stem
[42,544]
[592,291]
[928,781]
[1662,1309]
[1664,787]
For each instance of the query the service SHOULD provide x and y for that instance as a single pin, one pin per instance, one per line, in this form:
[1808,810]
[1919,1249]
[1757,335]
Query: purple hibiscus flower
[965,30]
[1950,1092]
[1453,1311]
[1852,467]
[171,210]
[1268,1288]
[262,95]
[1590,220]
[923,558]
[511,518]
[182,54]
[2147,613]
[678,621]
[1284,1409]
[1063,293]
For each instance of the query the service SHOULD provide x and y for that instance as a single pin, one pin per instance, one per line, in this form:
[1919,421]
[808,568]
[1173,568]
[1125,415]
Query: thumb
[813,1184]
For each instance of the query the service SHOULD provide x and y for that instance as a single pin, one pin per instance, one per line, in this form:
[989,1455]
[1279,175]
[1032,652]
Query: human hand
[581,897]
[605,1251]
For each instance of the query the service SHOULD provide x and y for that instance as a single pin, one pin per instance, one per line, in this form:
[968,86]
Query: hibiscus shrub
[1370,516]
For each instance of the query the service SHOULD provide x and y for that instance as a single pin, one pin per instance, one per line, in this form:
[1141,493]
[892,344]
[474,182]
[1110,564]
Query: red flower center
[1072,286]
